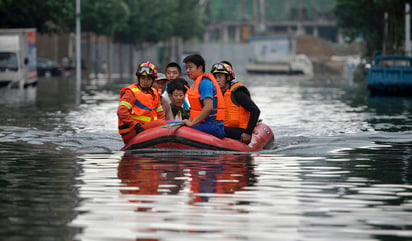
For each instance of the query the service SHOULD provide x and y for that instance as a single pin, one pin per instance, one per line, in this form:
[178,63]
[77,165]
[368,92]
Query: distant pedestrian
[104,67]
[66,63]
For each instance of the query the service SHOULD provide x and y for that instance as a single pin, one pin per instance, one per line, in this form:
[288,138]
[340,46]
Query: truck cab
[18,57]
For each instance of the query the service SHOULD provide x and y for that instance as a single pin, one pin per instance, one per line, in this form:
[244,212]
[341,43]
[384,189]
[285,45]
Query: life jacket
[144,109]
[235,115]
[195,103]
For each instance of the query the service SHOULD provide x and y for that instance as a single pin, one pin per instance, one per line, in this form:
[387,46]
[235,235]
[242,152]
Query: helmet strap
[228,79]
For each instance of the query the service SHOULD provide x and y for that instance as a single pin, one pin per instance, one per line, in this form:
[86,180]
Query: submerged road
[340,168]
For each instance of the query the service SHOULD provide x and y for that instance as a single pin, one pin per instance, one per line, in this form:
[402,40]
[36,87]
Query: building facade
[236,21]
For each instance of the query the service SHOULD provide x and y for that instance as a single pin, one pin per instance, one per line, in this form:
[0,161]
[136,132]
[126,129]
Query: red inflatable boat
[183,137]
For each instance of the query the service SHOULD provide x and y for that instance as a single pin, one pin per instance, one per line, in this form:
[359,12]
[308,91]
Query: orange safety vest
[235,115]
[194,98]
[144,109]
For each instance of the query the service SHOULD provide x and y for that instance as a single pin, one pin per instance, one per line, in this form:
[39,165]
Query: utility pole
[407,30]
[262,26]
[255,17]
[78,53]
[385,33]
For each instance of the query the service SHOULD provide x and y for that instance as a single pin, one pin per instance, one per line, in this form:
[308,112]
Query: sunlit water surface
[340,169]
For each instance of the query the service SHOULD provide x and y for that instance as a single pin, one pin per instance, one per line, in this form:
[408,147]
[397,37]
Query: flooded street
[340,169]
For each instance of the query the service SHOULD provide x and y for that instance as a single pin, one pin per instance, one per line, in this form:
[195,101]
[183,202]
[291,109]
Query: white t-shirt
[178,116]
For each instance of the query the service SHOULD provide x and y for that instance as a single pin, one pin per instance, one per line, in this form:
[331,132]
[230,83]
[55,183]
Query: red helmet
[147,68]
[223,68]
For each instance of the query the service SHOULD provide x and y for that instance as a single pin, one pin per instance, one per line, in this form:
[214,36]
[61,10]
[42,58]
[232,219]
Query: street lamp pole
[407,30]
[78,53]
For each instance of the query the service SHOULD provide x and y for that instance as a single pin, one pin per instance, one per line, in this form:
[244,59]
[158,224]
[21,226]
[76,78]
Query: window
[8,62]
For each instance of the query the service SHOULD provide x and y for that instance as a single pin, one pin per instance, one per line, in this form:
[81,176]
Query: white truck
[18,53]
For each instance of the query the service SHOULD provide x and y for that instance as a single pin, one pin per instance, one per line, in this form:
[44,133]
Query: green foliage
[128,21]
[190,20]
[148,21]
[47,16]
[366,18]
[156,20]
[103,17]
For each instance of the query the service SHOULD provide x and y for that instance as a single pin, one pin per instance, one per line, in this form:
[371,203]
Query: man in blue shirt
[206,100]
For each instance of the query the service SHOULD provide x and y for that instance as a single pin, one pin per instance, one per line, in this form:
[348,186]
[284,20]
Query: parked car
[48,68]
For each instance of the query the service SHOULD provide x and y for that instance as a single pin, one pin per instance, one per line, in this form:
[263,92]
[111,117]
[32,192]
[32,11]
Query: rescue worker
[205,97]
[140,106]
[242,114]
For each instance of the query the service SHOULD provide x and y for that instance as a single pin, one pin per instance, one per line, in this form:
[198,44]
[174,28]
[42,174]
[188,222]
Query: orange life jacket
[145,108]
[195,103]
[235,115]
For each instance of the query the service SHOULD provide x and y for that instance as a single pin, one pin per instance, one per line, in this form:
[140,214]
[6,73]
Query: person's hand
[245,138]
[187,122]
[138,128]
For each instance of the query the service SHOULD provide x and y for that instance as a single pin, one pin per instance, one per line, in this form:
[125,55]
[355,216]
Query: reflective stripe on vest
[195,103]
[235,116]
[143,110]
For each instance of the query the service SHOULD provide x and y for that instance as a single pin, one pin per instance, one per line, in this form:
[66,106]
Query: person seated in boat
[160,85]
[173,71]
[241,113]
[140,106]
[205,97]
[177,92]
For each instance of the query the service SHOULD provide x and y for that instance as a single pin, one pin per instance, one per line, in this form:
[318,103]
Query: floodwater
[340,169]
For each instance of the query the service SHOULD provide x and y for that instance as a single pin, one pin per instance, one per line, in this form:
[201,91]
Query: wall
[237,54]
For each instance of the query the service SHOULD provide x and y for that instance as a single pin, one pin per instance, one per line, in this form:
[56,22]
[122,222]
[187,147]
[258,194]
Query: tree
[366,18]
[103,17]
[157,20]
[153,21]
[47,16]
[191,22]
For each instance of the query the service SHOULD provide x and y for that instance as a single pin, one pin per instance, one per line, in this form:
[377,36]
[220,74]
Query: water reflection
[203,176]
[57,93]
[37,192]
[390,105]
[387,162]
[161,196]
[24,96]
[391,114]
